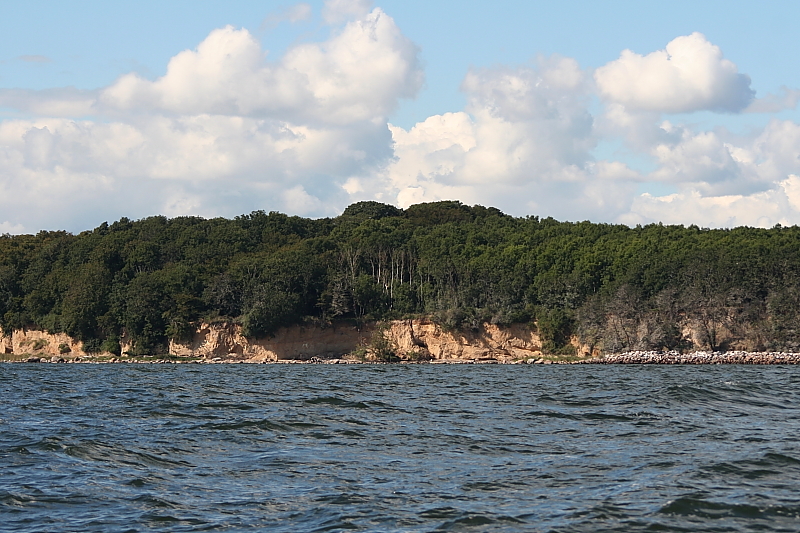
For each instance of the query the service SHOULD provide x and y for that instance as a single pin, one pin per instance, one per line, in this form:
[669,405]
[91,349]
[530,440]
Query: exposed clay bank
[411,341]
[407,340]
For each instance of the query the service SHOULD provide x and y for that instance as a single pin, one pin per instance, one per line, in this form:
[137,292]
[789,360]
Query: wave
[702,508]
[769,465]
[337,402]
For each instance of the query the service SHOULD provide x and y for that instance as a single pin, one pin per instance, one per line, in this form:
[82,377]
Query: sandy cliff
[490,341]
[39,343]
[410,338]
[296,342]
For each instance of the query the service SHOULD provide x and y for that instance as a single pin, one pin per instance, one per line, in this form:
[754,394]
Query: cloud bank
[228,129]
[224,131]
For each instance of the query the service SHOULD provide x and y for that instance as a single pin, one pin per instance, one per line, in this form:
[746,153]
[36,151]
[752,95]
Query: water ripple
[126,448]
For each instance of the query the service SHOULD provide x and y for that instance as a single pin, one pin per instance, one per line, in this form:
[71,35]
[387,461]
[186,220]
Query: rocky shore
[696,358]
[626,358]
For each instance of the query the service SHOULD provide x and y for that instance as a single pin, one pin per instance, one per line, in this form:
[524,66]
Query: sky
[630,112]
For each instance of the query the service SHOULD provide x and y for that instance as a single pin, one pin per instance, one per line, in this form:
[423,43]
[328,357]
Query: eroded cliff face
[423,337]
[721,333]
[40,344]
[411,339]
[297,342]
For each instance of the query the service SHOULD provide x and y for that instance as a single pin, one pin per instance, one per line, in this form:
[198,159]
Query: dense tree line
[612,285]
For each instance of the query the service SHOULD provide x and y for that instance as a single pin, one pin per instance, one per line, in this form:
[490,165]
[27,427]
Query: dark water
[399,448]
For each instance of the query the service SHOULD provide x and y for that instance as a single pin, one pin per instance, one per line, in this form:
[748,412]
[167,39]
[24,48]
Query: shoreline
[624,358]
[737,357]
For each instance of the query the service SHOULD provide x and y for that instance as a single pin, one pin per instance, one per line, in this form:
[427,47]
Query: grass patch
[13,358]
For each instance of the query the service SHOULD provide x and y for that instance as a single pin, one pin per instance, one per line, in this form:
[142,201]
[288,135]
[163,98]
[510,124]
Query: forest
[612,286]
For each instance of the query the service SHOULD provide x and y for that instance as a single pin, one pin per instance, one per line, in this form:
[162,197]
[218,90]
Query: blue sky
[476,78]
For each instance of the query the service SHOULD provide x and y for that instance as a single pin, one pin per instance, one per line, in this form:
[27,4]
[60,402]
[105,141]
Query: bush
[360,353]
[92,346]
[450,319]
[381,345]
[555,327]
[271,309]
[38,344]
[111,345]
[417,355]
[64,348]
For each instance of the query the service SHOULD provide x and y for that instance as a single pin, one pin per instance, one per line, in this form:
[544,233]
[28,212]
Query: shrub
[38,344]
[64,348]
[417,355]
[111,345]
[360,353]
[92,346]
[381,345]
[555,327]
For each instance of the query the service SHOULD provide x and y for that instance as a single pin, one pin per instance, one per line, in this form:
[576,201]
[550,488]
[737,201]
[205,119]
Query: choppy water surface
[399,448]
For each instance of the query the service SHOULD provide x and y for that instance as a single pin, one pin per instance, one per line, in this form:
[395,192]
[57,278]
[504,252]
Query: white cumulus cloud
[690,74]
[780,205]
[519,125]
[523,144]
[11,229]
[725,180]
[359,74]
[228,128]
[225,130]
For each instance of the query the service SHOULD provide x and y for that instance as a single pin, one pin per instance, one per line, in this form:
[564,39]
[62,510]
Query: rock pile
[696,358]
